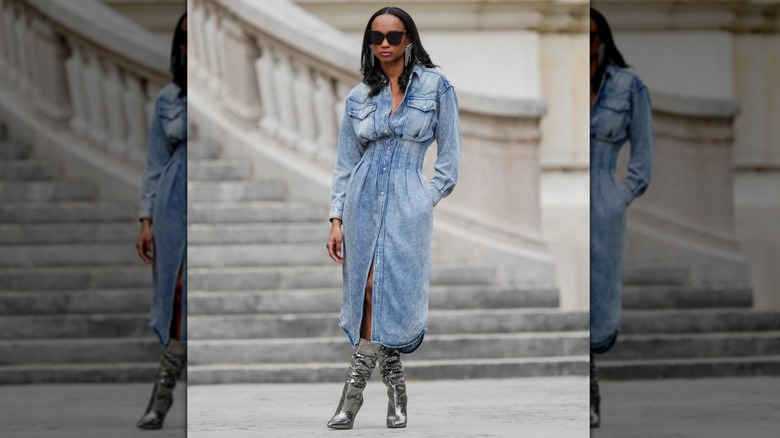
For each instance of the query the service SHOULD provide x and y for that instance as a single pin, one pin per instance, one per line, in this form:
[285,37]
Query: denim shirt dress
[620,113]
[164,200]
[386,206]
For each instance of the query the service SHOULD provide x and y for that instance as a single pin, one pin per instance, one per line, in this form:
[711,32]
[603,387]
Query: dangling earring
[371,54]
[407,54]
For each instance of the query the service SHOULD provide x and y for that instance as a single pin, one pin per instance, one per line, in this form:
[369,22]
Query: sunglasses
[593,36]
[393,37]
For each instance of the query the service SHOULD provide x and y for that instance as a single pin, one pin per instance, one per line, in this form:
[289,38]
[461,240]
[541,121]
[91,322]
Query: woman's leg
[364,360]
[173,361]
[176,317]
[365,325]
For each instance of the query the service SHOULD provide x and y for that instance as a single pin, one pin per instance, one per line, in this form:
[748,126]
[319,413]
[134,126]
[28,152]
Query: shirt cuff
[335,212]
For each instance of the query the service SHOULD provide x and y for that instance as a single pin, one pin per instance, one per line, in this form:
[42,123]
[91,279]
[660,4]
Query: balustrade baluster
[93,78]
[327,129]
[264,66]
[134,109]
[112,102]
[303,91]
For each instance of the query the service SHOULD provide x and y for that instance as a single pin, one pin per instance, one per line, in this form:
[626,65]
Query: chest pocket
[613,118]
[419,119]
[173,116]
[362,118]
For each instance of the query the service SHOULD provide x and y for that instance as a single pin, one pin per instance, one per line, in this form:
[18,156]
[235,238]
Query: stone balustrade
[686,218]
[83,69]
[272,68]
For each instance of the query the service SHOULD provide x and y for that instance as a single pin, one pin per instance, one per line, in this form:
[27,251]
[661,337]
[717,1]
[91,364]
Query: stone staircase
[264,296]
[670,330]
[74,297]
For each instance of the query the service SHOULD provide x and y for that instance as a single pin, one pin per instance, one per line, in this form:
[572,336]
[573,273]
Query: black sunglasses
[593,36]
[393,37]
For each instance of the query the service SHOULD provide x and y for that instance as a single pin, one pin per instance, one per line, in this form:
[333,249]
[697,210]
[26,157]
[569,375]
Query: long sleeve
[640,163]
[158,155]
[348,155]
[448,146]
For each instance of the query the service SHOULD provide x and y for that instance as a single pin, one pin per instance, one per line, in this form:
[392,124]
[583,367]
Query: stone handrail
[84,68]
[274,67]
[686,218]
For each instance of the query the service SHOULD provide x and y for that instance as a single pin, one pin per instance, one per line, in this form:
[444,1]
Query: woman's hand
[335,241]
[144,243]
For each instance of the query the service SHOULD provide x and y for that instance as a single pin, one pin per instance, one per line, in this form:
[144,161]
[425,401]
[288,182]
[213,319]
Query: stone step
[303,232]
[76,233]
[29,170]
[440,322]
[698,321]
[689,368]
[43,191]
[14,150]
[105,254]
[329,300]
[218,170]
[113,325]
[55,302]
[307,277]
[698,345]
[236,191]
[655,276]
[435,347]
[415,370]
[67,212]
[127,372]
[202,150]
[76,278]
[256,212]
[258,255]
[682,297]
[73,351]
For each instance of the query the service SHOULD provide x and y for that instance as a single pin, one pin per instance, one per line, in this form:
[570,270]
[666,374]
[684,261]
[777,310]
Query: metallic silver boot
[595,396]
[363,363]
[174,359]
[393,375]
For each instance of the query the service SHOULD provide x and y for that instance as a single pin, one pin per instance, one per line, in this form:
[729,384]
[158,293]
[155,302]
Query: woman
[162,241]
[620,112]
[386,206]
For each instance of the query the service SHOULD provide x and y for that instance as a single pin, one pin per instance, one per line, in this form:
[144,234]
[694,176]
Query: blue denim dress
[164,200]
[386,206]
[621,113]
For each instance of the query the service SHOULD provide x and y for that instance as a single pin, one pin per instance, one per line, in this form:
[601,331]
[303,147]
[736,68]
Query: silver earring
[371,54]
[407,54]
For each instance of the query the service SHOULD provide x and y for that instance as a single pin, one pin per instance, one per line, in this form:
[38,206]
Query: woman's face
[386,52]
[595,38]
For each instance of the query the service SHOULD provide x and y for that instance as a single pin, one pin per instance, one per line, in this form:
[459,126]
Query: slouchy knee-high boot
[393,376]
[595,396]
[363,362]
[174,359]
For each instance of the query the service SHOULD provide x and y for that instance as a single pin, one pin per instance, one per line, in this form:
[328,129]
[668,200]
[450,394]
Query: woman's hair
[373,76]
[179,59]
[611,53]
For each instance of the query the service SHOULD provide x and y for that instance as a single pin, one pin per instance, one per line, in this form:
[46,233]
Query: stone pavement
[745,407]
[549,407]
[104,410]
